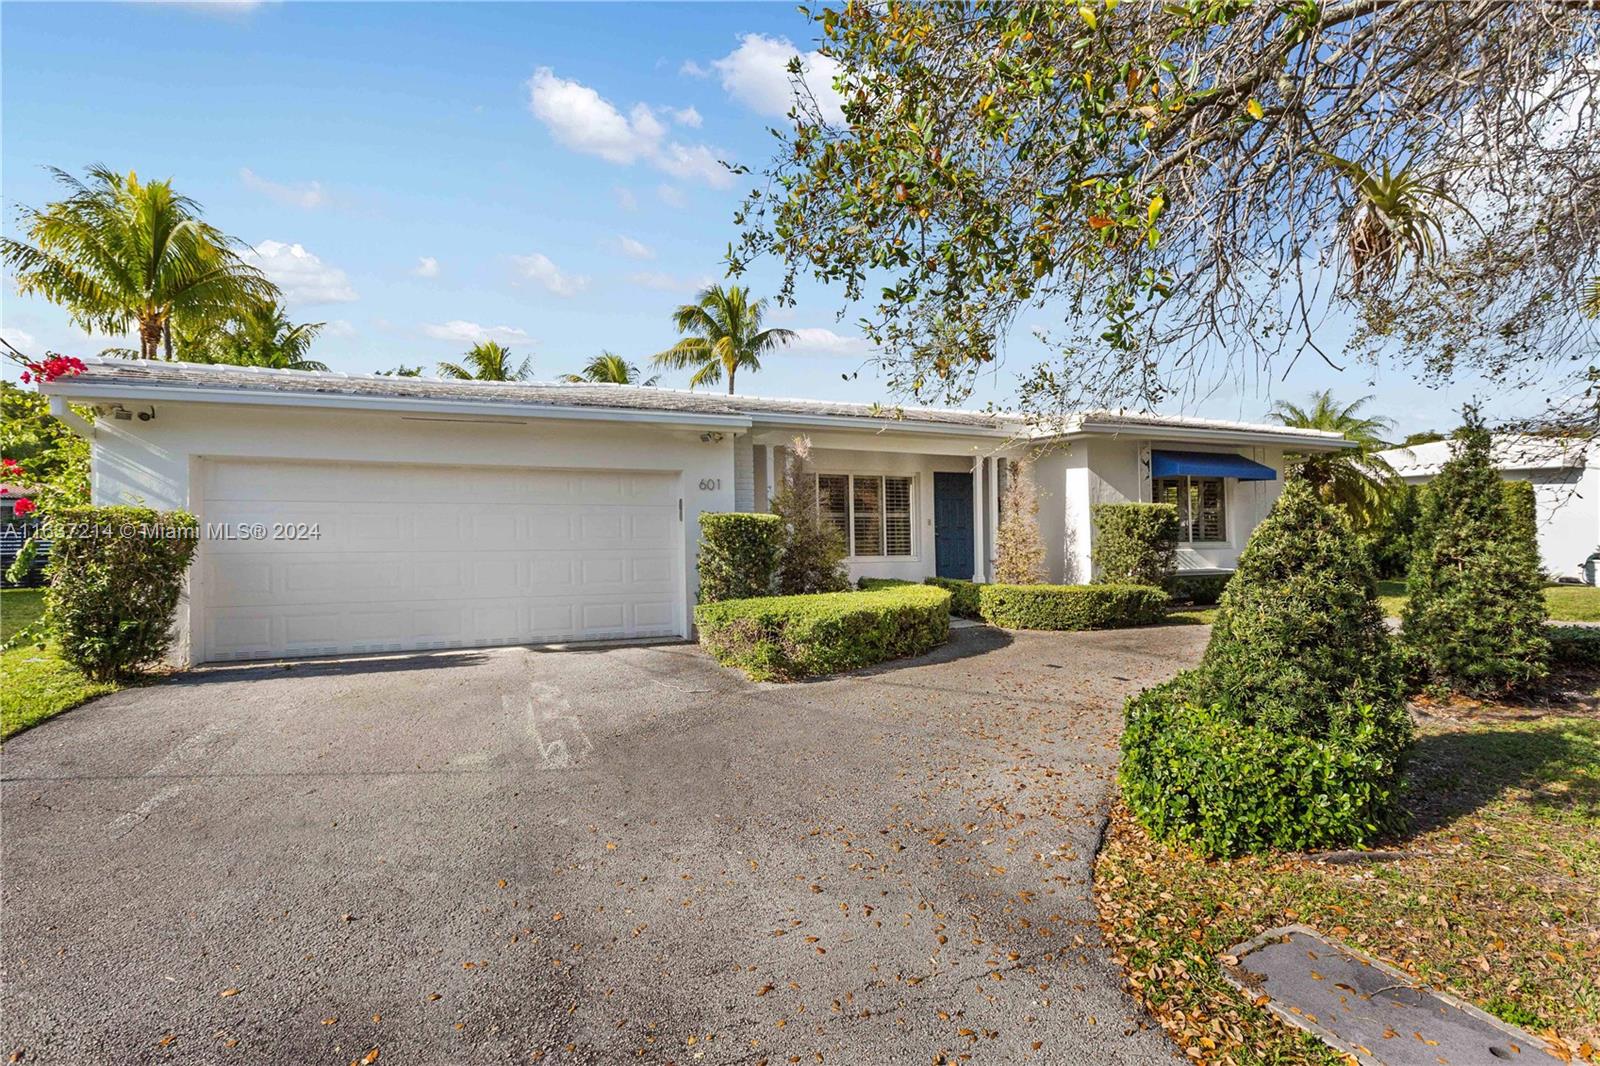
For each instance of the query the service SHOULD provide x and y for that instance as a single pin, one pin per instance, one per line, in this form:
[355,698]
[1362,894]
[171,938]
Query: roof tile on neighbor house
[137,374]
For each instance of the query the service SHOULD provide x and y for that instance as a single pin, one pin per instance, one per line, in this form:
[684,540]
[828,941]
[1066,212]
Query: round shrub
[963,595]
[1300,629]
[783,638]
[738,555]
[115,577]
[1475,613]
[1135,543]
[1198,773]
[1071,606]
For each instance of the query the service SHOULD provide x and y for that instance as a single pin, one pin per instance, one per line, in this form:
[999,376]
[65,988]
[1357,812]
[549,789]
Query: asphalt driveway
[586,856]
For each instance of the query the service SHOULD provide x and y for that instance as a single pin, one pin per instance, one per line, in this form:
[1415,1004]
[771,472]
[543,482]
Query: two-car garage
[324,558]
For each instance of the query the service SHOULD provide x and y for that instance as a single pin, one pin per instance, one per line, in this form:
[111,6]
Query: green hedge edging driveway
[1063,607]
[785,638]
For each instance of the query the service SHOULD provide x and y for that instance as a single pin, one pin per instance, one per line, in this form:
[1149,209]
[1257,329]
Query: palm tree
[609,368]
[488,361]
[119,253]
[1356,479]
[724,336]
[263,336]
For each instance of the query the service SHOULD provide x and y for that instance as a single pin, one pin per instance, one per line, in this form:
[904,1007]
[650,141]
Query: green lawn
[38,683]
[1494,898]
[1567,603]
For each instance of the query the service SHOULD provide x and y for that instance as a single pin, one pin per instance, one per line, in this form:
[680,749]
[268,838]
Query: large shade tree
[723,336]
[488,361]
[1357,479]
[120,253]
[1176,193]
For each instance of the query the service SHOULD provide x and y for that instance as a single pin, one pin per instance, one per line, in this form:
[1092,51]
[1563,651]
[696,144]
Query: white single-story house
[1566,492]
[346,514]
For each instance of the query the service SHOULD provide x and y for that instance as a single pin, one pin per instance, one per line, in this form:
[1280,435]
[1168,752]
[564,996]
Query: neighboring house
[14,532]
[1566,489]
[347,514]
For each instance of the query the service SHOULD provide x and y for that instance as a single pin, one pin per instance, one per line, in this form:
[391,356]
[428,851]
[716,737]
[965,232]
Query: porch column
[977,519]
[994,512]
[768,491]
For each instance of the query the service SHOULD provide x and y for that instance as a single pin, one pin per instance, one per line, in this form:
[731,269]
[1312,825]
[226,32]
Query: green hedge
[1135,543]
[115,577]
[871,584]
[1574,645]
[783,638]
[1202,590]
[738,555]
[963,595]
[1200,774]
[1071,606]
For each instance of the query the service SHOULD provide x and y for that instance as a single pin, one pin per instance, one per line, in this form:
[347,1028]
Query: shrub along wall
[963,595]
[1071,606]
[115,577]
[1202,590]
[738,555]
[784,638]
[1135,543]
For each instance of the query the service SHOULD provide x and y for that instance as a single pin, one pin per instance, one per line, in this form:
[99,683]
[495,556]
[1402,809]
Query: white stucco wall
[157,463]
[1075,476]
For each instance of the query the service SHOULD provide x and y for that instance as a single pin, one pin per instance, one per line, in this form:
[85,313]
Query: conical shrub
[1299,631]
[1476,614]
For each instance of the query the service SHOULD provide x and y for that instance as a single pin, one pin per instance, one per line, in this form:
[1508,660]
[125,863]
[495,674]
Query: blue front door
[952,525]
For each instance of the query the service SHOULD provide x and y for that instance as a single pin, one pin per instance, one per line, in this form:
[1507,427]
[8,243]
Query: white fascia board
[862,424]
[401,404]
[1202,435]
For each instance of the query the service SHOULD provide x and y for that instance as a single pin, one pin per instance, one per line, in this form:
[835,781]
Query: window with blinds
[872,513]
[1201,503]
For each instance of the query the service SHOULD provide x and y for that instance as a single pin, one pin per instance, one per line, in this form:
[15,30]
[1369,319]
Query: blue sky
[420,176]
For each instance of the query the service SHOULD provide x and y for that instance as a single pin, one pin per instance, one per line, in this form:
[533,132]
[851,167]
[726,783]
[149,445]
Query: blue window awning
[1208,464]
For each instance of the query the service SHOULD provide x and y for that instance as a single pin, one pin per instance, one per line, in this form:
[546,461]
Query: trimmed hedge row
[871,584]
[1203,775]
[1574,645]
[963,595]
[784,638]
[1202,590]
[1134,543]
[738,555]
[1071,606]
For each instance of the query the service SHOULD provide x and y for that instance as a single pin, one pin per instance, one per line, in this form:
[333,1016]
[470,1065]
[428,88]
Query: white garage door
[330,558]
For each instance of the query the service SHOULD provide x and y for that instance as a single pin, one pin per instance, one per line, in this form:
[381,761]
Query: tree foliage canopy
[1191,186]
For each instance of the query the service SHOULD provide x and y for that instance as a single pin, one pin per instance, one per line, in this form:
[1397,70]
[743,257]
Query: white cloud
[427,267]
[625,198]
[757,75]
[664,282]
[691,69]
[631,248]
[339,327]
[672,196]
[21,339]
[302,276]
[688,116]
[695,162]
[539,268]
[460,331]
[583,120]
[816,340]
[306,194]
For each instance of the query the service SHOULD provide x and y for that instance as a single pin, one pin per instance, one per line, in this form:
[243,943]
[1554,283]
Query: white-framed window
[1202,507]
[872,512]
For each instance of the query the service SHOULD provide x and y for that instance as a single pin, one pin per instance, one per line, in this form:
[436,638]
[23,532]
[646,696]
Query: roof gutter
[88,390]
[1241,437]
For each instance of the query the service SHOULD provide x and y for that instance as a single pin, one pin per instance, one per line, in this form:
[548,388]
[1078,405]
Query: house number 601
[709,484]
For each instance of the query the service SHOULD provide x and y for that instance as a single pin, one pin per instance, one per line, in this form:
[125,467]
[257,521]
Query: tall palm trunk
[149,336]
[166,338]
[730,380]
